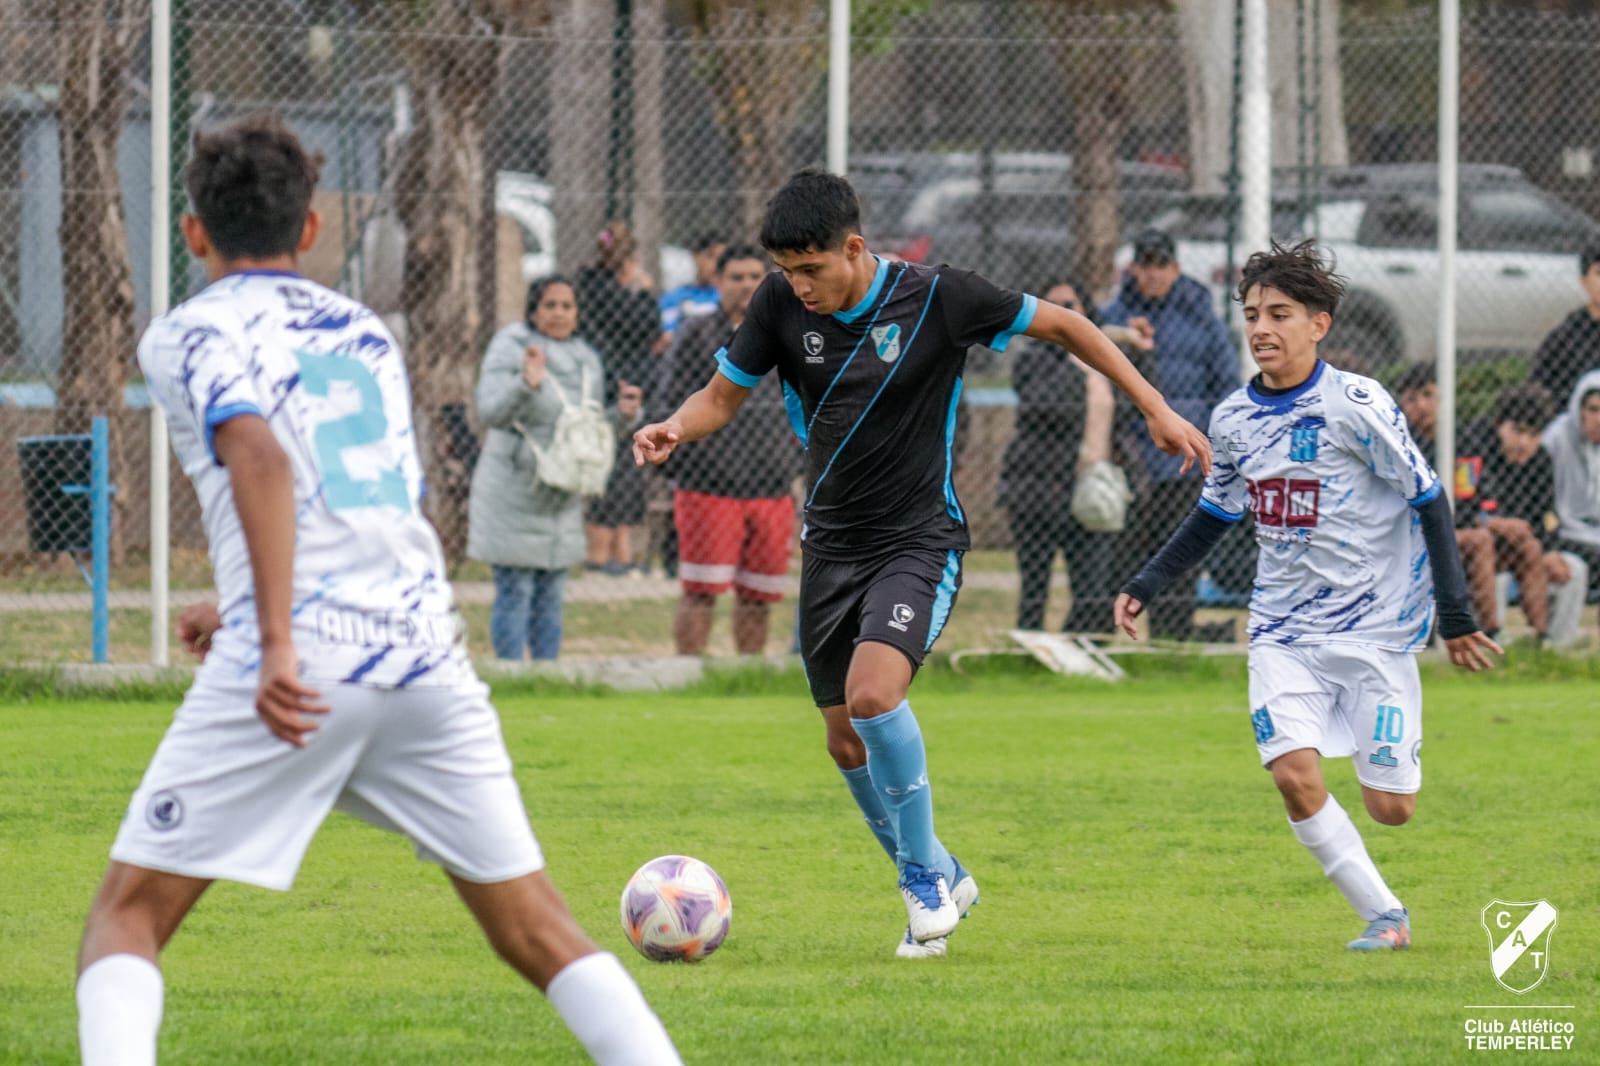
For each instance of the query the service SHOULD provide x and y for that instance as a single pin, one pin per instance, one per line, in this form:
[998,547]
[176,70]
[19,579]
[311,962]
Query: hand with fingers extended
[534,365]
[284,704]
[653,443]
[1173,434]
[1468,652]
[197,623]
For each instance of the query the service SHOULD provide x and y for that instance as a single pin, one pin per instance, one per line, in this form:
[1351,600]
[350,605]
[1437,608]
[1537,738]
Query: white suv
[1516,266]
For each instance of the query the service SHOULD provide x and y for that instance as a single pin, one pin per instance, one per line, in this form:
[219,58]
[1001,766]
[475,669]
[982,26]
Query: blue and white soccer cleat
[964,894]
[930,912]
[1389,931]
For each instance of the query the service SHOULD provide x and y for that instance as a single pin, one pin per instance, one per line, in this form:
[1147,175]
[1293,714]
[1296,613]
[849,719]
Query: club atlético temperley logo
[1519,942]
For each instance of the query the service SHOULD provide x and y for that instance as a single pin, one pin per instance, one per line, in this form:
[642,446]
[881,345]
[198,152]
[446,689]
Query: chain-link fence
[473,147]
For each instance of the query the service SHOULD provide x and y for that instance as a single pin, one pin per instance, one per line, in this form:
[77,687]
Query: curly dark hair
[1299,272]
[250,183]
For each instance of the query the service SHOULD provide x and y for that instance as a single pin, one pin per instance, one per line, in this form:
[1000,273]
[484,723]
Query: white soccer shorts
[1342,699]
[225,799]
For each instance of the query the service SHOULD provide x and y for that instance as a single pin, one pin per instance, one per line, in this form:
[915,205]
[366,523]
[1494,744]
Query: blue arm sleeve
[1192,542]
[1449,580]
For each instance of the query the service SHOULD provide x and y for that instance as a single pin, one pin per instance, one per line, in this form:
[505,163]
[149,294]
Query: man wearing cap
[1196,366]
[1573,347]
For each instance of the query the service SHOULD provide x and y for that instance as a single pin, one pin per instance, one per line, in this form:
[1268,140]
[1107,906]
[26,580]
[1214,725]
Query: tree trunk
[580,125]
[1208,69]
[97,330]
[452,65]
[761,67]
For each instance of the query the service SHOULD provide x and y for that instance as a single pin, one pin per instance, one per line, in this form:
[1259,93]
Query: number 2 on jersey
[367,425]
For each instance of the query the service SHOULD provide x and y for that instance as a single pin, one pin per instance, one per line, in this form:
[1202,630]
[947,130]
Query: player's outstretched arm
[1191,542]
[263,494]
[701,415]
[1171,432]
[1465,642]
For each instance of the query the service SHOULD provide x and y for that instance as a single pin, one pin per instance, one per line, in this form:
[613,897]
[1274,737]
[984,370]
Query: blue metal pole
[100,518]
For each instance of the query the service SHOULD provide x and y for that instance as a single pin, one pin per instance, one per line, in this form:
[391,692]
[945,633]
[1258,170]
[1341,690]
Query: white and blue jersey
[1332,477]
[372,605]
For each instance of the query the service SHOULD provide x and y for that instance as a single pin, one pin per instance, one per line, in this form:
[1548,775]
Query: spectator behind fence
[1416,390]
[1573,441]
[700,296]
[621,320]
[732,504]
[684,302]
[1195,365]
[1572,349]
[1065,415]
[528,531]
[1515,500]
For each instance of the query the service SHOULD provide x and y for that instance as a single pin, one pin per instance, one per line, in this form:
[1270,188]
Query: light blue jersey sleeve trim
[218,415]
[1216,512]
[1020,324]
[734,374]
[1426,495]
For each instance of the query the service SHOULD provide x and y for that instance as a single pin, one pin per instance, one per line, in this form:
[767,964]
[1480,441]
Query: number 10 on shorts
[1391,724]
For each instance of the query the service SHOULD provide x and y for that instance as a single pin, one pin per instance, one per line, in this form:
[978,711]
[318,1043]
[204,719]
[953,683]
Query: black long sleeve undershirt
[1191,543]
[1201,531]
[1449,579]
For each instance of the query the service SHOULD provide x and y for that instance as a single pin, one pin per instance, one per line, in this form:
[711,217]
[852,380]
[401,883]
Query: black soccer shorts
[901,598]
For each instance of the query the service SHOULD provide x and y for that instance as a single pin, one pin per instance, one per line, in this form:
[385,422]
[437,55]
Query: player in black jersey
[870,353]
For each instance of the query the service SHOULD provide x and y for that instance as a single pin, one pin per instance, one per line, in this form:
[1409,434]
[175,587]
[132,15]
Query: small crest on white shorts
[164,811]
[1519,942]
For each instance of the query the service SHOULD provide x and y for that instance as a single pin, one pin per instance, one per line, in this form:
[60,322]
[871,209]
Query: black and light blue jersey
[872,393]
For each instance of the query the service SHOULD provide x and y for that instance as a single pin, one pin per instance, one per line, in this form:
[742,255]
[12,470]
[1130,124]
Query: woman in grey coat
[527,531]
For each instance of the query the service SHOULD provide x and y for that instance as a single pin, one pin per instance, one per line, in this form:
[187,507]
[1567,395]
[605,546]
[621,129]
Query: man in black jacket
[732,504]
[1573,347]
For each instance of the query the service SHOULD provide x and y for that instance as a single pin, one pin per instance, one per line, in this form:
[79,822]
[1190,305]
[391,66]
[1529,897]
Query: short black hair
[250,183]
[739,250]
[536,293]
[1085,307]
[815,211]
[1589,256]
[1299,272]
[1528,404]
[1414,377]
[705,242]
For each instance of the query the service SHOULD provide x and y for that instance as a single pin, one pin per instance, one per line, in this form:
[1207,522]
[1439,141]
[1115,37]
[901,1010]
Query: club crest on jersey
[1359,393]
[1303,442]
[813,342]
[887,340]
[1519,942]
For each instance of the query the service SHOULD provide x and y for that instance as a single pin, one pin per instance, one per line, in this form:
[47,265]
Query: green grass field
[1143,899]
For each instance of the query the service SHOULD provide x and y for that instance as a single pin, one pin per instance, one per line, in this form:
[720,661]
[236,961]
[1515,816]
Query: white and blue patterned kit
[371,601]
[1332,477]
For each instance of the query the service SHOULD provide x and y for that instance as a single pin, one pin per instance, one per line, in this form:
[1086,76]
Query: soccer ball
[676,909]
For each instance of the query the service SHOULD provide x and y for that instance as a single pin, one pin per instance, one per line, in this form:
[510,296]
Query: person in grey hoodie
[1573,441]
[529,532]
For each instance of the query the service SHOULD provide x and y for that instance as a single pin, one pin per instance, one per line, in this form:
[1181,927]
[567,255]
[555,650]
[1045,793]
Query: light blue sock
[898,764]
[871,804]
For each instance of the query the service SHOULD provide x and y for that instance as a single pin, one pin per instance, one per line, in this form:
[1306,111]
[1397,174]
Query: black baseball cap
[1154,246]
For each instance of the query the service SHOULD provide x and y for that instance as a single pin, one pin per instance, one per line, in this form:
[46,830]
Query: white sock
[607,1013]
[1332,837]
[119,1011]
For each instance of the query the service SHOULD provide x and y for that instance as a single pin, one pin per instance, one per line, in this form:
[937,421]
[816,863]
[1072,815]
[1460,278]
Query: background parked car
[1517,248]
[927,207]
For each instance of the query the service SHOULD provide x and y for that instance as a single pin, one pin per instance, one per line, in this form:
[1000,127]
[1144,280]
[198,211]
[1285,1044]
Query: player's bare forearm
[263,494]
[701,415]
[1082,338]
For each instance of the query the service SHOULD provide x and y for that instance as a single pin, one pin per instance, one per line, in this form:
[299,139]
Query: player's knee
[868,699]
[1389,808]
[846,749]
[1303,792]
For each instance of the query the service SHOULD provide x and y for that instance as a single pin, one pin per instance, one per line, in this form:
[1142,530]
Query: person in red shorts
[732,504]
